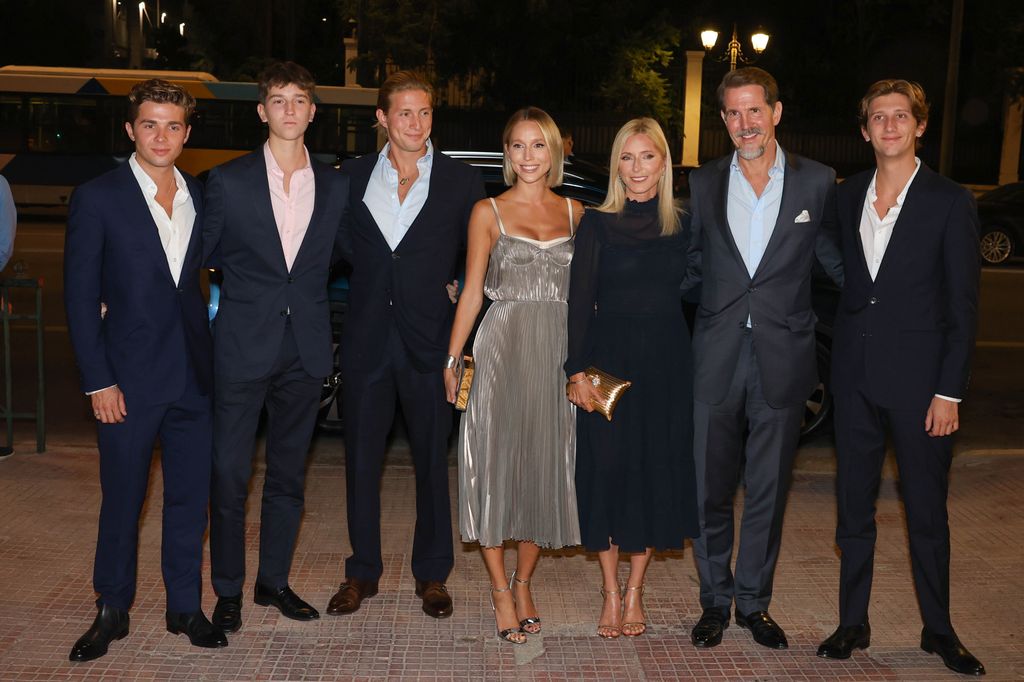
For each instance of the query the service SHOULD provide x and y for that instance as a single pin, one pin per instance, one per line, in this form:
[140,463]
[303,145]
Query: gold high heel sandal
[609,631]
[639,589]
[512,635]
[526,623]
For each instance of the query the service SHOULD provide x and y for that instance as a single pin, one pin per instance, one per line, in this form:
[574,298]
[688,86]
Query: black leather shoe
[200,631]
[708,630]
[110,624]
[766,631]
[954,654]
[350,596]
[227,614]
[286,601]
[437,603]
[841,643]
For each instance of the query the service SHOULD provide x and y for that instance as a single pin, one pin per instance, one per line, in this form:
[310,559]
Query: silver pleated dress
[517,439]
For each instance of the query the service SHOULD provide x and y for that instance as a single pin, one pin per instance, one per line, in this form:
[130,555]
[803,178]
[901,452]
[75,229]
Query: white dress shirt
[175,230]
[393,217]
[876,232]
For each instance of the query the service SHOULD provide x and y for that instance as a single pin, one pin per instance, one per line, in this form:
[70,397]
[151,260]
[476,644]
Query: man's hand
[453,291]
[108,406]
[943,417]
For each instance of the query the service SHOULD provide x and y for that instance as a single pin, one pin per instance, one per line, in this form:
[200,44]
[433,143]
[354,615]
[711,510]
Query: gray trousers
[742,439]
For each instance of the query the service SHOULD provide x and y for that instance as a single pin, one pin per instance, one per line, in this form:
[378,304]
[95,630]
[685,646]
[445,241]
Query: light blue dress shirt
[752,218]
[394,218]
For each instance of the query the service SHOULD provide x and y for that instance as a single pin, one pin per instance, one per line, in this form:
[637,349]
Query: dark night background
[582,58]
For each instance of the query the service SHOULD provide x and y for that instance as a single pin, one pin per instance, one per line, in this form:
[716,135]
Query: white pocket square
[804,217]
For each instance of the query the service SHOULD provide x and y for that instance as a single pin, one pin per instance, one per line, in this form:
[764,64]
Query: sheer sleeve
[583,291]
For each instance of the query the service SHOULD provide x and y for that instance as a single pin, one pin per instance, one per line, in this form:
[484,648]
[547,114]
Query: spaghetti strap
[501,225]
[572,223]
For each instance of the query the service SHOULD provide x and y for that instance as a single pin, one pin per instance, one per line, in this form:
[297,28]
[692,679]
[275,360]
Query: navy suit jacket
[777,298]
[258,292]
[909,334]
[153,329]
[408,285]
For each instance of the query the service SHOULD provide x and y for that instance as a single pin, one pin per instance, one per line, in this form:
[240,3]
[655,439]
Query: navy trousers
[126,450]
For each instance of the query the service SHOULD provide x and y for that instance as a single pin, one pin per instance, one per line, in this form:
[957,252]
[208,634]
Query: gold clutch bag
[465,383]
[609,390]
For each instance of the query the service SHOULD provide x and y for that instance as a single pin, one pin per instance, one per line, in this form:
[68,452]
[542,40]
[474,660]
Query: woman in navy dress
[635,481]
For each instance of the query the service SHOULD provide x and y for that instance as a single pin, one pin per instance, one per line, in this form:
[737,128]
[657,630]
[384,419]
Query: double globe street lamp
[734,51]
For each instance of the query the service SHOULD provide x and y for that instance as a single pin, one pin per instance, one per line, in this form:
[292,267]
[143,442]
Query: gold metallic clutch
[609,390]
[465,383]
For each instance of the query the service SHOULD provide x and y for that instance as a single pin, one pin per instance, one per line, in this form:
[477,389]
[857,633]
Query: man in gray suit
[757,227]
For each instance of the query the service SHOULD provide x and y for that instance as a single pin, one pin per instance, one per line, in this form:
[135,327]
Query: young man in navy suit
[410,208]
[271,223]
[901,358]
[133,250]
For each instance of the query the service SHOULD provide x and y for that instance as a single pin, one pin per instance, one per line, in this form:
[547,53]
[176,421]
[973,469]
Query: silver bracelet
[451,362]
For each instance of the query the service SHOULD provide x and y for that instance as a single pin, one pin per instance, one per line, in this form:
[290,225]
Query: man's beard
[749,155]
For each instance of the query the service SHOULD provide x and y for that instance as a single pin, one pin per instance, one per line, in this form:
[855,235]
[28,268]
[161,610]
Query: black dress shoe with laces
[111,623]
[227,614]
[954,654]
[286,601]
[200,631]
[437,603]
[841,643]
[708,630]
[766,631]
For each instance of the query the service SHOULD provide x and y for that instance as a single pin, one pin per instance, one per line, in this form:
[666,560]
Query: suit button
[394,256]
[751,290]
[863,335]
[284,313]
[290,280]
[873,300]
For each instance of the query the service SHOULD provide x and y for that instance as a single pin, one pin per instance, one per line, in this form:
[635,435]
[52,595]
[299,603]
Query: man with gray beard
[759,219]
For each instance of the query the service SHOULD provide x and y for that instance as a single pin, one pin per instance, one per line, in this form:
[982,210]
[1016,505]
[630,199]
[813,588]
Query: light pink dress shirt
[294,208]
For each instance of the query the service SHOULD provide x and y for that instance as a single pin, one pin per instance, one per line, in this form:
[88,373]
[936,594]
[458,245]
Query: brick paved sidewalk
[49,503]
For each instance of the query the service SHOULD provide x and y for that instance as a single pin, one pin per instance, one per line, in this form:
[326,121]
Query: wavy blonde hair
[615,201]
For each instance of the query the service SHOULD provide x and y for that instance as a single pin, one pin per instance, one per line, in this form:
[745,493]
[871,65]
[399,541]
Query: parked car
[1002,223]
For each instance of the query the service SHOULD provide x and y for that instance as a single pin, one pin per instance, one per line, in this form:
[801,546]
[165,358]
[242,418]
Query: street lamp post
[734,51]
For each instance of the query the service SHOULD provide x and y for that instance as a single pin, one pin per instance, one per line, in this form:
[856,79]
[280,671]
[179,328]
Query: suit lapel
[359,177]
[721,203]
[195,239]
[437,174]
[266,224]
[319,198]
[856,210]
[788,206]
[901,235]
[143,219]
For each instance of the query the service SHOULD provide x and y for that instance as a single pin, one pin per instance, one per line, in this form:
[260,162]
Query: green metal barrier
[7,412]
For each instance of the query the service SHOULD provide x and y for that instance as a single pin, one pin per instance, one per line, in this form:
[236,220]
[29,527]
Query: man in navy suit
[410,208]
[271,223]
[133,250]
[901,359]
[760,221]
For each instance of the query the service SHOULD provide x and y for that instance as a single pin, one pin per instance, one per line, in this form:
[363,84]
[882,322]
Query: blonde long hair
[615,201]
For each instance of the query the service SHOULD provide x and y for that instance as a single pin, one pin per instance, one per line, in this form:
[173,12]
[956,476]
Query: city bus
[60,127]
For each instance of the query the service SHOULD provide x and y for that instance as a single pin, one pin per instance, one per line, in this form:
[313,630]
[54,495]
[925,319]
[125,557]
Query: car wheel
[996,245]
[818,406]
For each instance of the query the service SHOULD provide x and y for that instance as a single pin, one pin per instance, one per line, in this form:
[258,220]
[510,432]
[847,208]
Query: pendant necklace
[403,181]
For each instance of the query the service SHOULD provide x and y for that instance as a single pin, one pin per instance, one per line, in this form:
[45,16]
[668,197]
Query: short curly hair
[161,92]
[280,74]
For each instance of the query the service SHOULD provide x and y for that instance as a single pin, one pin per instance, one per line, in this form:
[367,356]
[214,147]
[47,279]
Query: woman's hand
[581,392]
[451,383]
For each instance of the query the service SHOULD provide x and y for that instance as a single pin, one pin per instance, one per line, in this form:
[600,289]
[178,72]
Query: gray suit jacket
[777,298]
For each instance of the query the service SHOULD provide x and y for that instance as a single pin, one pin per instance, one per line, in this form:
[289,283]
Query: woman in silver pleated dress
[517,440]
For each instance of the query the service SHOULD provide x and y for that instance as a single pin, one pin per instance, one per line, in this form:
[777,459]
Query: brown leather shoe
[350,595]
[437,603]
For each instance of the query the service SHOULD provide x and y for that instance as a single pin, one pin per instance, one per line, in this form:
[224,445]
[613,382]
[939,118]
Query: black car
[1002,223]
[586,183]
